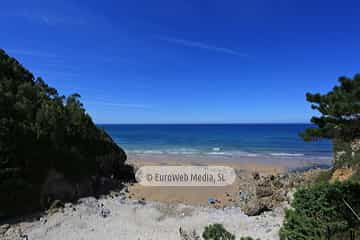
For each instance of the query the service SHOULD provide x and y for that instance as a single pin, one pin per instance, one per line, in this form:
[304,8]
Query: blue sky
[186,61]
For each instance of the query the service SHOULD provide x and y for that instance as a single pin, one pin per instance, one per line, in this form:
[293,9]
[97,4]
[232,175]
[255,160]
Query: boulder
[264,187]
[105,212]
[256,175]
[263,190]
[256,207]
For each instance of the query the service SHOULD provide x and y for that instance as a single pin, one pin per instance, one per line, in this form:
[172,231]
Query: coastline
[138,212]
[255,163]
[198,196]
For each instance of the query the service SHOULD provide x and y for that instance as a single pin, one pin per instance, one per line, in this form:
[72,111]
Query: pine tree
[339,112]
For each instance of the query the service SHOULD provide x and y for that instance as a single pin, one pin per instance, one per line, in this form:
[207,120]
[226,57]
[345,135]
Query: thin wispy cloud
[50,18]
[201,45]
[121,105]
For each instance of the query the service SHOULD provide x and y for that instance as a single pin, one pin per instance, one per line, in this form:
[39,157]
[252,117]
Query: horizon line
[189,123]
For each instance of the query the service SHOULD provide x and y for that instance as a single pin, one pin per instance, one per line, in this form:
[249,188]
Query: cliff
[49,146]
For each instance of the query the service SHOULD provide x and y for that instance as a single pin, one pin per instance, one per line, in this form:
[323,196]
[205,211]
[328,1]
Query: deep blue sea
[228,140]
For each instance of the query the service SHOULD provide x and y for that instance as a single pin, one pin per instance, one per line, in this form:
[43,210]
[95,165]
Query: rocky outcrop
[342,174]
[264,193]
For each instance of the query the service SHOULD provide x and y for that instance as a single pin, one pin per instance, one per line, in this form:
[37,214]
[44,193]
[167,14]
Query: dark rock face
[264,193]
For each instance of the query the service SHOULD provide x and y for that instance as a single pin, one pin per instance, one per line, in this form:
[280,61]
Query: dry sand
[160,216]
[198,196]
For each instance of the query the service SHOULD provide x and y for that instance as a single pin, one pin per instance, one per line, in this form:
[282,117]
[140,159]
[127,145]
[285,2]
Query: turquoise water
[228,140]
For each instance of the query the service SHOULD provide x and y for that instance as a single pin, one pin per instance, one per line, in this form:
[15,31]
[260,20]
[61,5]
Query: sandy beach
[198,196]
[139,212]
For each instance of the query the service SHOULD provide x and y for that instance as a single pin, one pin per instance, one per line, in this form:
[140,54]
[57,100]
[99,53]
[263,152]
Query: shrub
[356,176]
[324,176]
[217,232]
[320,211]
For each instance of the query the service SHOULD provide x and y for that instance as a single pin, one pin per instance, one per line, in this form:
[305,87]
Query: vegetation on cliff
[330,209]
[339,112]
[339,119]
[323,211]
[42,130]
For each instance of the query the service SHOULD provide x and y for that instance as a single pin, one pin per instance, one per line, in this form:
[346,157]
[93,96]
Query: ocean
[226,141]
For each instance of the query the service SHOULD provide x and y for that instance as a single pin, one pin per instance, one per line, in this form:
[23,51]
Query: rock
[24,237]
[13,233]
[256,175]
[191,235]
[90,204]
[105,212]
[341,174]
[114,194]
[68,205]
[4,228]
[43,220]
[280,196]
[125,190]
[244,196]
[122,199]
[55,206]
[256,207]
[263,190]
[88,201]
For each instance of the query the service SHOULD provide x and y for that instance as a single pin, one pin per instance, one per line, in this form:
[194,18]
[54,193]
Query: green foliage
[344,154]
[356,176]
[324,176]
[248,238]
[217,232]
[39,130]
[339,112]
[320,211]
